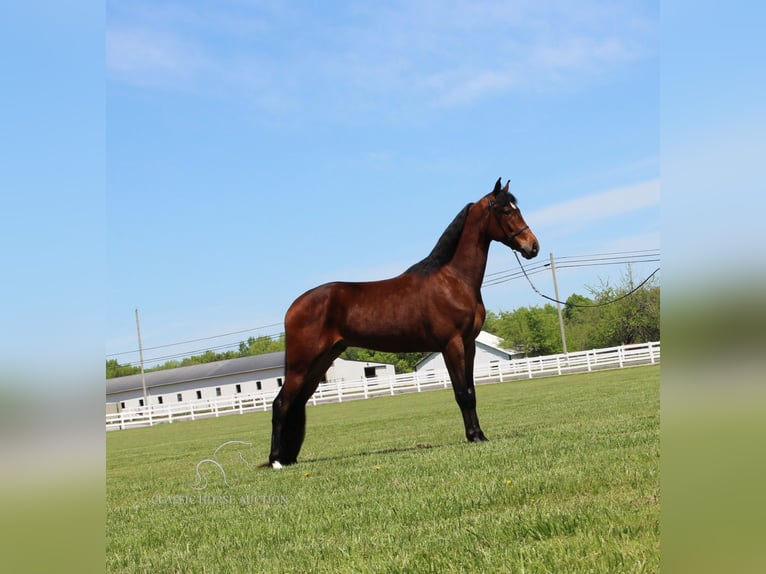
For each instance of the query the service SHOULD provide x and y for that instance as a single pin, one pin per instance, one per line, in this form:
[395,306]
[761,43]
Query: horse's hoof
[276,465]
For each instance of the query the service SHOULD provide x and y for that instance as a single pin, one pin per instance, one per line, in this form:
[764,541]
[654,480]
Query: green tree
[491,323]
[632,319]
[115,369]
[578,322]
[261,345]
[531,330]
[622,316]
[576,308]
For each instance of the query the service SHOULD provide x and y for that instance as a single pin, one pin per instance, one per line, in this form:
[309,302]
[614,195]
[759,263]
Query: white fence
[527,368]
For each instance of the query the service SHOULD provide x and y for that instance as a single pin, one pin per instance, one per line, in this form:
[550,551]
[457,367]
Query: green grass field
[569,482]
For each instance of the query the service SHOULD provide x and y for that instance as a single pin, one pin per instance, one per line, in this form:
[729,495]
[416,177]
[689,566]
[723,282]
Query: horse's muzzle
[531,252]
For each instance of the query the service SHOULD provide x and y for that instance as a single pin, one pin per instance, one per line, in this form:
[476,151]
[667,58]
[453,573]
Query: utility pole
[558,305]
[141,356]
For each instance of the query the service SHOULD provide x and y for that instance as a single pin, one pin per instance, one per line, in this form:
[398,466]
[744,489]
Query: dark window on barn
[140,402]
[199,394]
[258,385]
[238,388]
[122,405]
[279,382]
[179,397]
[369,373]
[159,400]
[218,391]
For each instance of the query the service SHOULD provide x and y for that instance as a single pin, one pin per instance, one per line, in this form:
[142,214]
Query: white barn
[245,375]
[488,352]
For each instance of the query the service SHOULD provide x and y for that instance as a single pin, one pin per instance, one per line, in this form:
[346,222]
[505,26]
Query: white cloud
[143,56]
[577,52]
[419,53]
[459,88]
[588,209]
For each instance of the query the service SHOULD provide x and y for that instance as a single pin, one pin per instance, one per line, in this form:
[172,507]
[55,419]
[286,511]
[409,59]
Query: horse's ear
[497,189]
[507,186]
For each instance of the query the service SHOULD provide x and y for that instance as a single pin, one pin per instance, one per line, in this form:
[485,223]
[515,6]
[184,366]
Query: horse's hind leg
[288,416]
[288,420]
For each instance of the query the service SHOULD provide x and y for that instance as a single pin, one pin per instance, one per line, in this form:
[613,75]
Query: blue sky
[255,150]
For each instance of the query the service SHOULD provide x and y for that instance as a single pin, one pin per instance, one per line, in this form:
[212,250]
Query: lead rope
[536,290]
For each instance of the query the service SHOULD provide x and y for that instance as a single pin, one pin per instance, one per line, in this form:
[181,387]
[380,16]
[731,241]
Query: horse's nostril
[535,247]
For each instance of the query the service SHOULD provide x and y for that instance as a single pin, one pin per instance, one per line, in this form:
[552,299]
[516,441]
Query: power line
[573,261]
[540,266]
[601,304]
[617,253]
[195,340]
[190,353]
[620,255]
[608,263]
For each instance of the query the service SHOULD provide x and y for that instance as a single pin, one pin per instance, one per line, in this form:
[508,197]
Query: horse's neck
[470,259]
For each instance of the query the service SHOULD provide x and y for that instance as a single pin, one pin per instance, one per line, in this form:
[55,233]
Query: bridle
[495,209]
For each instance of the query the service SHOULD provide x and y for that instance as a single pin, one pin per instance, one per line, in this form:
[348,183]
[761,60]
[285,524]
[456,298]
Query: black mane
[442,253]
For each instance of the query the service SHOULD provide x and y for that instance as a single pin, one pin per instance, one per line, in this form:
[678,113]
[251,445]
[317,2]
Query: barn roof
[199,372]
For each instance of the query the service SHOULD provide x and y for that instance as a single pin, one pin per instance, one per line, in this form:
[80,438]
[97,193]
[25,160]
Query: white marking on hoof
[276,465]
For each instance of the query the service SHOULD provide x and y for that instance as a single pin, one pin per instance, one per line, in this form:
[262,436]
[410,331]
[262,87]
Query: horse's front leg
[459,356]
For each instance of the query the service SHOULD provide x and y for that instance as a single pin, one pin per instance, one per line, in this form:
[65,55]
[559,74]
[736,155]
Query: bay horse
[435,305]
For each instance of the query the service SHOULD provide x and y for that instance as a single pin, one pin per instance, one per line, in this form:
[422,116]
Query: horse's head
[507,225]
